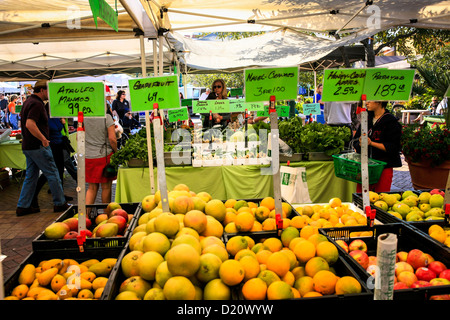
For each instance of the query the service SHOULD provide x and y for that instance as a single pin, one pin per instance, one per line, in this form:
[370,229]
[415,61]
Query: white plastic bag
[294,186]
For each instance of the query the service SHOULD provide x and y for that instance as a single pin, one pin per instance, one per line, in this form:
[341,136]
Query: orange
[229,217]
[347,285]
[244,221]
[287,209]
[183,260]
[231,272]
[257,226]
[263,255]
[274,244]
[244,252]
[251,267]
[296,293]
[268,276]
[305,251]
[254,289]
[335,202]
[328,251]
[278,290]
[317,238]
[179,288]
[307,210]
[250,242]
[312,294]
[235,244]
[252,204]
[294,242]
[325,282]
[262,213]
[279,263]
[304,285]
[288,234]
[230,203]
[291,256]
[230,227]
[298,222]
[315,265]
[269,224]
[289,278]
[244,209]
[268,202]
[298,272]
[308,231]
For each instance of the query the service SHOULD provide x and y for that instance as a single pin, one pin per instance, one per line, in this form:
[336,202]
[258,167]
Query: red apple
[440,282]
[402,266]
[88,233]
[401,256]
[71,235]
[407,277]
[119,212]
[400,285]
[437,191]
[429,257]
[342,244]
[420,284]
[445,274]
[437,267]
[101,217]
[357,245]
[425,274]
[361,257]
[130,216]
[372,260]
[416,258]
[120,221]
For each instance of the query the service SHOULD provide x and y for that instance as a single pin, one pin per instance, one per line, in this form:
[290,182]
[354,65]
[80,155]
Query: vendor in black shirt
[384,133]
[121,105]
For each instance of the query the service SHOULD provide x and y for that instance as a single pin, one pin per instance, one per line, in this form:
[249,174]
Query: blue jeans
[40,159]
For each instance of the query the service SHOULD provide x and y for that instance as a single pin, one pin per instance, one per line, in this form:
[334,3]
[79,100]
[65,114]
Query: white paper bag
[294,186]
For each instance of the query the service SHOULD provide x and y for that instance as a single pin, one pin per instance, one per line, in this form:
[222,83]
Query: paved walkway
[17,233]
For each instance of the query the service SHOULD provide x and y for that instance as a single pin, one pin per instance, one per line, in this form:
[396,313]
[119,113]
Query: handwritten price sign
[179,114]
[215,106]
[388,84]
[147,91]
[262,83]
[311,108]
[66,99]
[343,85]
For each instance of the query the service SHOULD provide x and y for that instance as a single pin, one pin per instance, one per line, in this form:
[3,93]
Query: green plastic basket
[346,166]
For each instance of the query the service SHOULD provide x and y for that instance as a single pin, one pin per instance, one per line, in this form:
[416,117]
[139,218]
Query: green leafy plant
[134,148]
[424,144]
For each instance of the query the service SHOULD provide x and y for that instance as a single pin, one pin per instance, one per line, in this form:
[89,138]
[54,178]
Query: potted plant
[427,152]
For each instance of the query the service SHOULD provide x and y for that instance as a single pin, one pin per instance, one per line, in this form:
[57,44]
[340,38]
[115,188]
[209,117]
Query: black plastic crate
[41,242]
[407,239]
[117,278]
[341,266]
[386,217]
[36,257]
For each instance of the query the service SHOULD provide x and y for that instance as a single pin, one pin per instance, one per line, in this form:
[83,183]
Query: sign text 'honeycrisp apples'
[343,85]
[261,84]
[145,92]
[67,99]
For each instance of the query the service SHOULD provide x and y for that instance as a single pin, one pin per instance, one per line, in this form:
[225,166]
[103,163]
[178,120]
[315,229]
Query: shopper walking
[38,154]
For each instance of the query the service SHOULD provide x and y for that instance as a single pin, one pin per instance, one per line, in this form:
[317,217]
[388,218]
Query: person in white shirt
[338,114]
[205,94]
[442,106]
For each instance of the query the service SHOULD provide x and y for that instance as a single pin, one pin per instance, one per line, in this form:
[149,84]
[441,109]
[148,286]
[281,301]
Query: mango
[52,263]
[45,277]
[101,269]
[99,282]
[108,229]
[27,275]
[20,291]
[65,292]
[47,294]
[89,262]
[56,230]
[57,282]
[33,292]
[111,261]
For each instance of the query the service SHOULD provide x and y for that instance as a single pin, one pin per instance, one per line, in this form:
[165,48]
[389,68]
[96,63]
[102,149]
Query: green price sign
[180,114]
[186,102]
[389,84]
[343,84]
[282,111]
[66,99]
[236,92]
[237,105]
[254,106]
[147,91]
[261,84]
[215,106]
[311,108]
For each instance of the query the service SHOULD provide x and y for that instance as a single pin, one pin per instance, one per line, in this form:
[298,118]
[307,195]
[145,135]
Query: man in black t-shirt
[37,151]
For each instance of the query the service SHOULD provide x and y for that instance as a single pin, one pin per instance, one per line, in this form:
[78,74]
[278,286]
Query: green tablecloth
[11,155]
[238,182]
